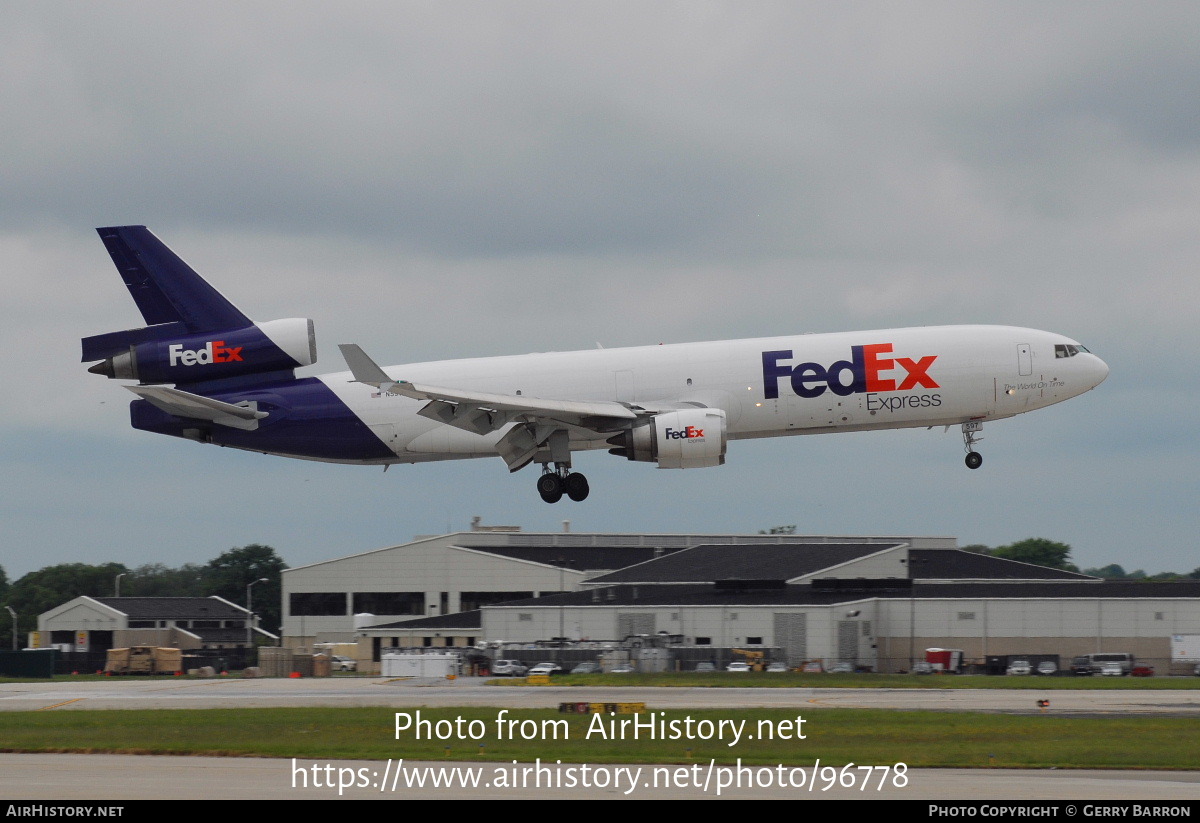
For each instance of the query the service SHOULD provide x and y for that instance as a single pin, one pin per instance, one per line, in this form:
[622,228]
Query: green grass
[836,736]
[794,680]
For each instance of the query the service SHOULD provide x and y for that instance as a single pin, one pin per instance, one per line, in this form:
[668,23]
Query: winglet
[364,369]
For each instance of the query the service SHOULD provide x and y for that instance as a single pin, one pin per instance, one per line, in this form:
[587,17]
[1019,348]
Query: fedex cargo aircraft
[206,372]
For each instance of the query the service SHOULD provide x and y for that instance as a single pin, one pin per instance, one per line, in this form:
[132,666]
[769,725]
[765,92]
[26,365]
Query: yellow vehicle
[754,658]
[144,660]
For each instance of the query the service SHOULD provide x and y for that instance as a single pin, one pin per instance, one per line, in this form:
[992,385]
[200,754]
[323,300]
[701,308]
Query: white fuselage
[802,384]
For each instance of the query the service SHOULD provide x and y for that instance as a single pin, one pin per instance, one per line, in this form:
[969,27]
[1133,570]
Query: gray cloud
[436,180]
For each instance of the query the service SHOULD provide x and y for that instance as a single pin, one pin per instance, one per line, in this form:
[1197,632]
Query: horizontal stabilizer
[101,346]
[197,407]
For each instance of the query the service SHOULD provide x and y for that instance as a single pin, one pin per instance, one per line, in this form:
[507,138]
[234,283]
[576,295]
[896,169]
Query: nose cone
[1097,370]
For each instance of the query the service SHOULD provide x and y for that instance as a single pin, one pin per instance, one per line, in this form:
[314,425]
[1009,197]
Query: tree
[779,530]
[157,580]
[1039,551]
[1113,571]
[228,574]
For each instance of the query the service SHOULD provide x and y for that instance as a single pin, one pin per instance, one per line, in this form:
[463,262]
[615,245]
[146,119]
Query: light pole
[250,611]
[913,562]
[14,620]
[561,629]
[119,576]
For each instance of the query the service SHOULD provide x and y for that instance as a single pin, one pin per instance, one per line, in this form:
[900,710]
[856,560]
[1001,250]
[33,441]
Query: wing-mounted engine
[684,439]
[156,355]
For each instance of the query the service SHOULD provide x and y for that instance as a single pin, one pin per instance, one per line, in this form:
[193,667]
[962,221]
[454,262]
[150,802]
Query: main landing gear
[560,480]
[970,431]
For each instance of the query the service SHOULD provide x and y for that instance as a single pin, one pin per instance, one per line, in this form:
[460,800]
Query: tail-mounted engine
[193,334]
[686,439]
[193,358]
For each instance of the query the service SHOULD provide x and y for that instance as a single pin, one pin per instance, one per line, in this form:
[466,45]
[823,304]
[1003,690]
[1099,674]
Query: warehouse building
[876,603]
[465,571]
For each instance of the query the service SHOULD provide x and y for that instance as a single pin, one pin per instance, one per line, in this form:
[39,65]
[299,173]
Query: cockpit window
[1068,349]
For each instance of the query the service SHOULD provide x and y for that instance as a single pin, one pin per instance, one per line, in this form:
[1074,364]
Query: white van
[509,668]
[1099,661]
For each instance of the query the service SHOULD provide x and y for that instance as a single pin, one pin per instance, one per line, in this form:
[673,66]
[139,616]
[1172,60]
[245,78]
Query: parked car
[1142,670]
[1123,659]
[922,667]
[778,667]
[738,666]
[706,667]
[509,668]
[1019,667]
[1046,668]
[544,668]
[586,668]
[623,668]
[842,668]
[1081,666]
[1111,669]
[338,663]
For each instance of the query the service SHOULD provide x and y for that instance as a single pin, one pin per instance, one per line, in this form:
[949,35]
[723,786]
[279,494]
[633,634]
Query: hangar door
[847,641]
[791,635]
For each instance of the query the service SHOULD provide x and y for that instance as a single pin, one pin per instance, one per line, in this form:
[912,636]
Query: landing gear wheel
[550,487]
[576,487]
[974,460]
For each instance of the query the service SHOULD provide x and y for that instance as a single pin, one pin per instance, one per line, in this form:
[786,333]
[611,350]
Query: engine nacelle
[194,358]
[685,439]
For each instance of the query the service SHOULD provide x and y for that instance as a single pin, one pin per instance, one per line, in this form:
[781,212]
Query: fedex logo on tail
[867,370]
[214,351]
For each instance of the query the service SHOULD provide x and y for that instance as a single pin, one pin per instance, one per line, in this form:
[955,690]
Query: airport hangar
[876,602]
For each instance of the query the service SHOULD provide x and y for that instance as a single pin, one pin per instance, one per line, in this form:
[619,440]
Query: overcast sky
[436,180]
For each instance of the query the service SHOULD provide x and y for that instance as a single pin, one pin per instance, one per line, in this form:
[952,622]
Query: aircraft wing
[483,412]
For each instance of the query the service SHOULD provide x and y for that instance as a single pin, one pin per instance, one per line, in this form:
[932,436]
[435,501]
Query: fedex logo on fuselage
[214,351]
[682,434]
[867,370]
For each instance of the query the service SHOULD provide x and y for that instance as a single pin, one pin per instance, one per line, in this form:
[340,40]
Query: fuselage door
[1024,360]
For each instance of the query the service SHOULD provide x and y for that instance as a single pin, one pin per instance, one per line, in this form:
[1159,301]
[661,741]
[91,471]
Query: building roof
[465,621]
[688,595]
[804,595]
[956,564]
[1099,589]
[563,542]
[578,558]
[782,561]
[174,608]
[790,561]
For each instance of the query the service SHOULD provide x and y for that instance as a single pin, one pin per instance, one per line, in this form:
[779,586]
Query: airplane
[206,372]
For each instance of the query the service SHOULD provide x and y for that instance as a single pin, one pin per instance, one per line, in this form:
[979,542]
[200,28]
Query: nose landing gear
[554,483]
[970,431]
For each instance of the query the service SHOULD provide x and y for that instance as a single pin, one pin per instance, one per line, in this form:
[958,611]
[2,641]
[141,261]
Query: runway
[175,693]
